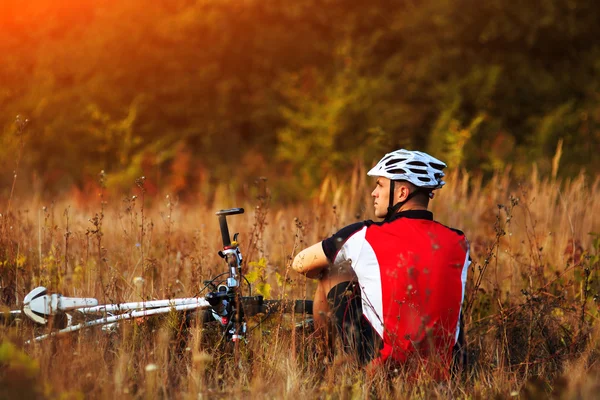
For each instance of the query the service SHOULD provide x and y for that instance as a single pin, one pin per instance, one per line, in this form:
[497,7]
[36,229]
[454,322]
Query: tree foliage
[240,89]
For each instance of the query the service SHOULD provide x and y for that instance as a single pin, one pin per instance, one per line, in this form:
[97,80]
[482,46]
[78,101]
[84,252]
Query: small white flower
[138,280]
[151,367]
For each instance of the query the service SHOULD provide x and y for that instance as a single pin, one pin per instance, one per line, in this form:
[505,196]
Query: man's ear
[401,192]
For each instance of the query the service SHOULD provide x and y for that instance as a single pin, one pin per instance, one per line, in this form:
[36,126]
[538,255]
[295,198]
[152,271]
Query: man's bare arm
[311,261]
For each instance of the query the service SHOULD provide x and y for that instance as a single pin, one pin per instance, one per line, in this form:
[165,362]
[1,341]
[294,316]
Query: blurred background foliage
[190,93]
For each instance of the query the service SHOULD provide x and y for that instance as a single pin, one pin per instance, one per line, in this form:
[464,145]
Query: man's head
[402,191]
[405,180]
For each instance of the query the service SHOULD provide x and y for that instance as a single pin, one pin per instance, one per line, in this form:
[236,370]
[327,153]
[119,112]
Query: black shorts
[357,335]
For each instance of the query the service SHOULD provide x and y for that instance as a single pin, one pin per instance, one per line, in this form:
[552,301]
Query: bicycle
[224,304]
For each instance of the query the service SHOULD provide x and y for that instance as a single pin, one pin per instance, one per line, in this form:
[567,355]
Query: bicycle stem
[231,252]
[233,257]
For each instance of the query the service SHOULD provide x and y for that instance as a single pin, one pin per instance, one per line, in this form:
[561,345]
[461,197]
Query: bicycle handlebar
[231,211]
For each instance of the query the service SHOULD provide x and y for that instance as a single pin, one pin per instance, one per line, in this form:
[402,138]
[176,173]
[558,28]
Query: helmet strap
[391,211]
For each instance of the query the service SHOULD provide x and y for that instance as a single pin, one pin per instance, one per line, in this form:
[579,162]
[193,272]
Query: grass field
[530,307]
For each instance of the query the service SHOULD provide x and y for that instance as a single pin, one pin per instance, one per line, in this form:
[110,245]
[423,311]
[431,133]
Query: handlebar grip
[224,231]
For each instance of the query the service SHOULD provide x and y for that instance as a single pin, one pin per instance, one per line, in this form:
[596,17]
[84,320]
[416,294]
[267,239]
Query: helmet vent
[397,171]
[418,171]
[394,161]
[417,163]
[423,178]
[437,166]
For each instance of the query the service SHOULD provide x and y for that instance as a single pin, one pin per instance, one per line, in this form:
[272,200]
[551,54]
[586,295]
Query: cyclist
[394,288]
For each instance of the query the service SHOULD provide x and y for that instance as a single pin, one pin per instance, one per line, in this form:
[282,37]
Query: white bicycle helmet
[418,168]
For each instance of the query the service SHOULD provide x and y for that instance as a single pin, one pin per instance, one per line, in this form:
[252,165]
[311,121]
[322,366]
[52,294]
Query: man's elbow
[311,268]
[298,264]
[303,264]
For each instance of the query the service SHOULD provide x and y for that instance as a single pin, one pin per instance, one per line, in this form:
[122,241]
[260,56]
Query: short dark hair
[422,196]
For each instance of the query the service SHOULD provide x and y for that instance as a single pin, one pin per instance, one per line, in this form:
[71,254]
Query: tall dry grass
[530,307]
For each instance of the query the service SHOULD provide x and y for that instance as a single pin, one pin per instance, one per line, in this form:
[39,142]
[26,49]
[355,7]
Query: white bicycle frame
[111,308]
[38,305]
[122,317]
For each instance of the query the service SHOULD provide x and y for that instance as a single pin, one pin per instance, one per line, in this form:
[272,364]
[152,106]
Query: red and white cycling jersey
[412,272]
